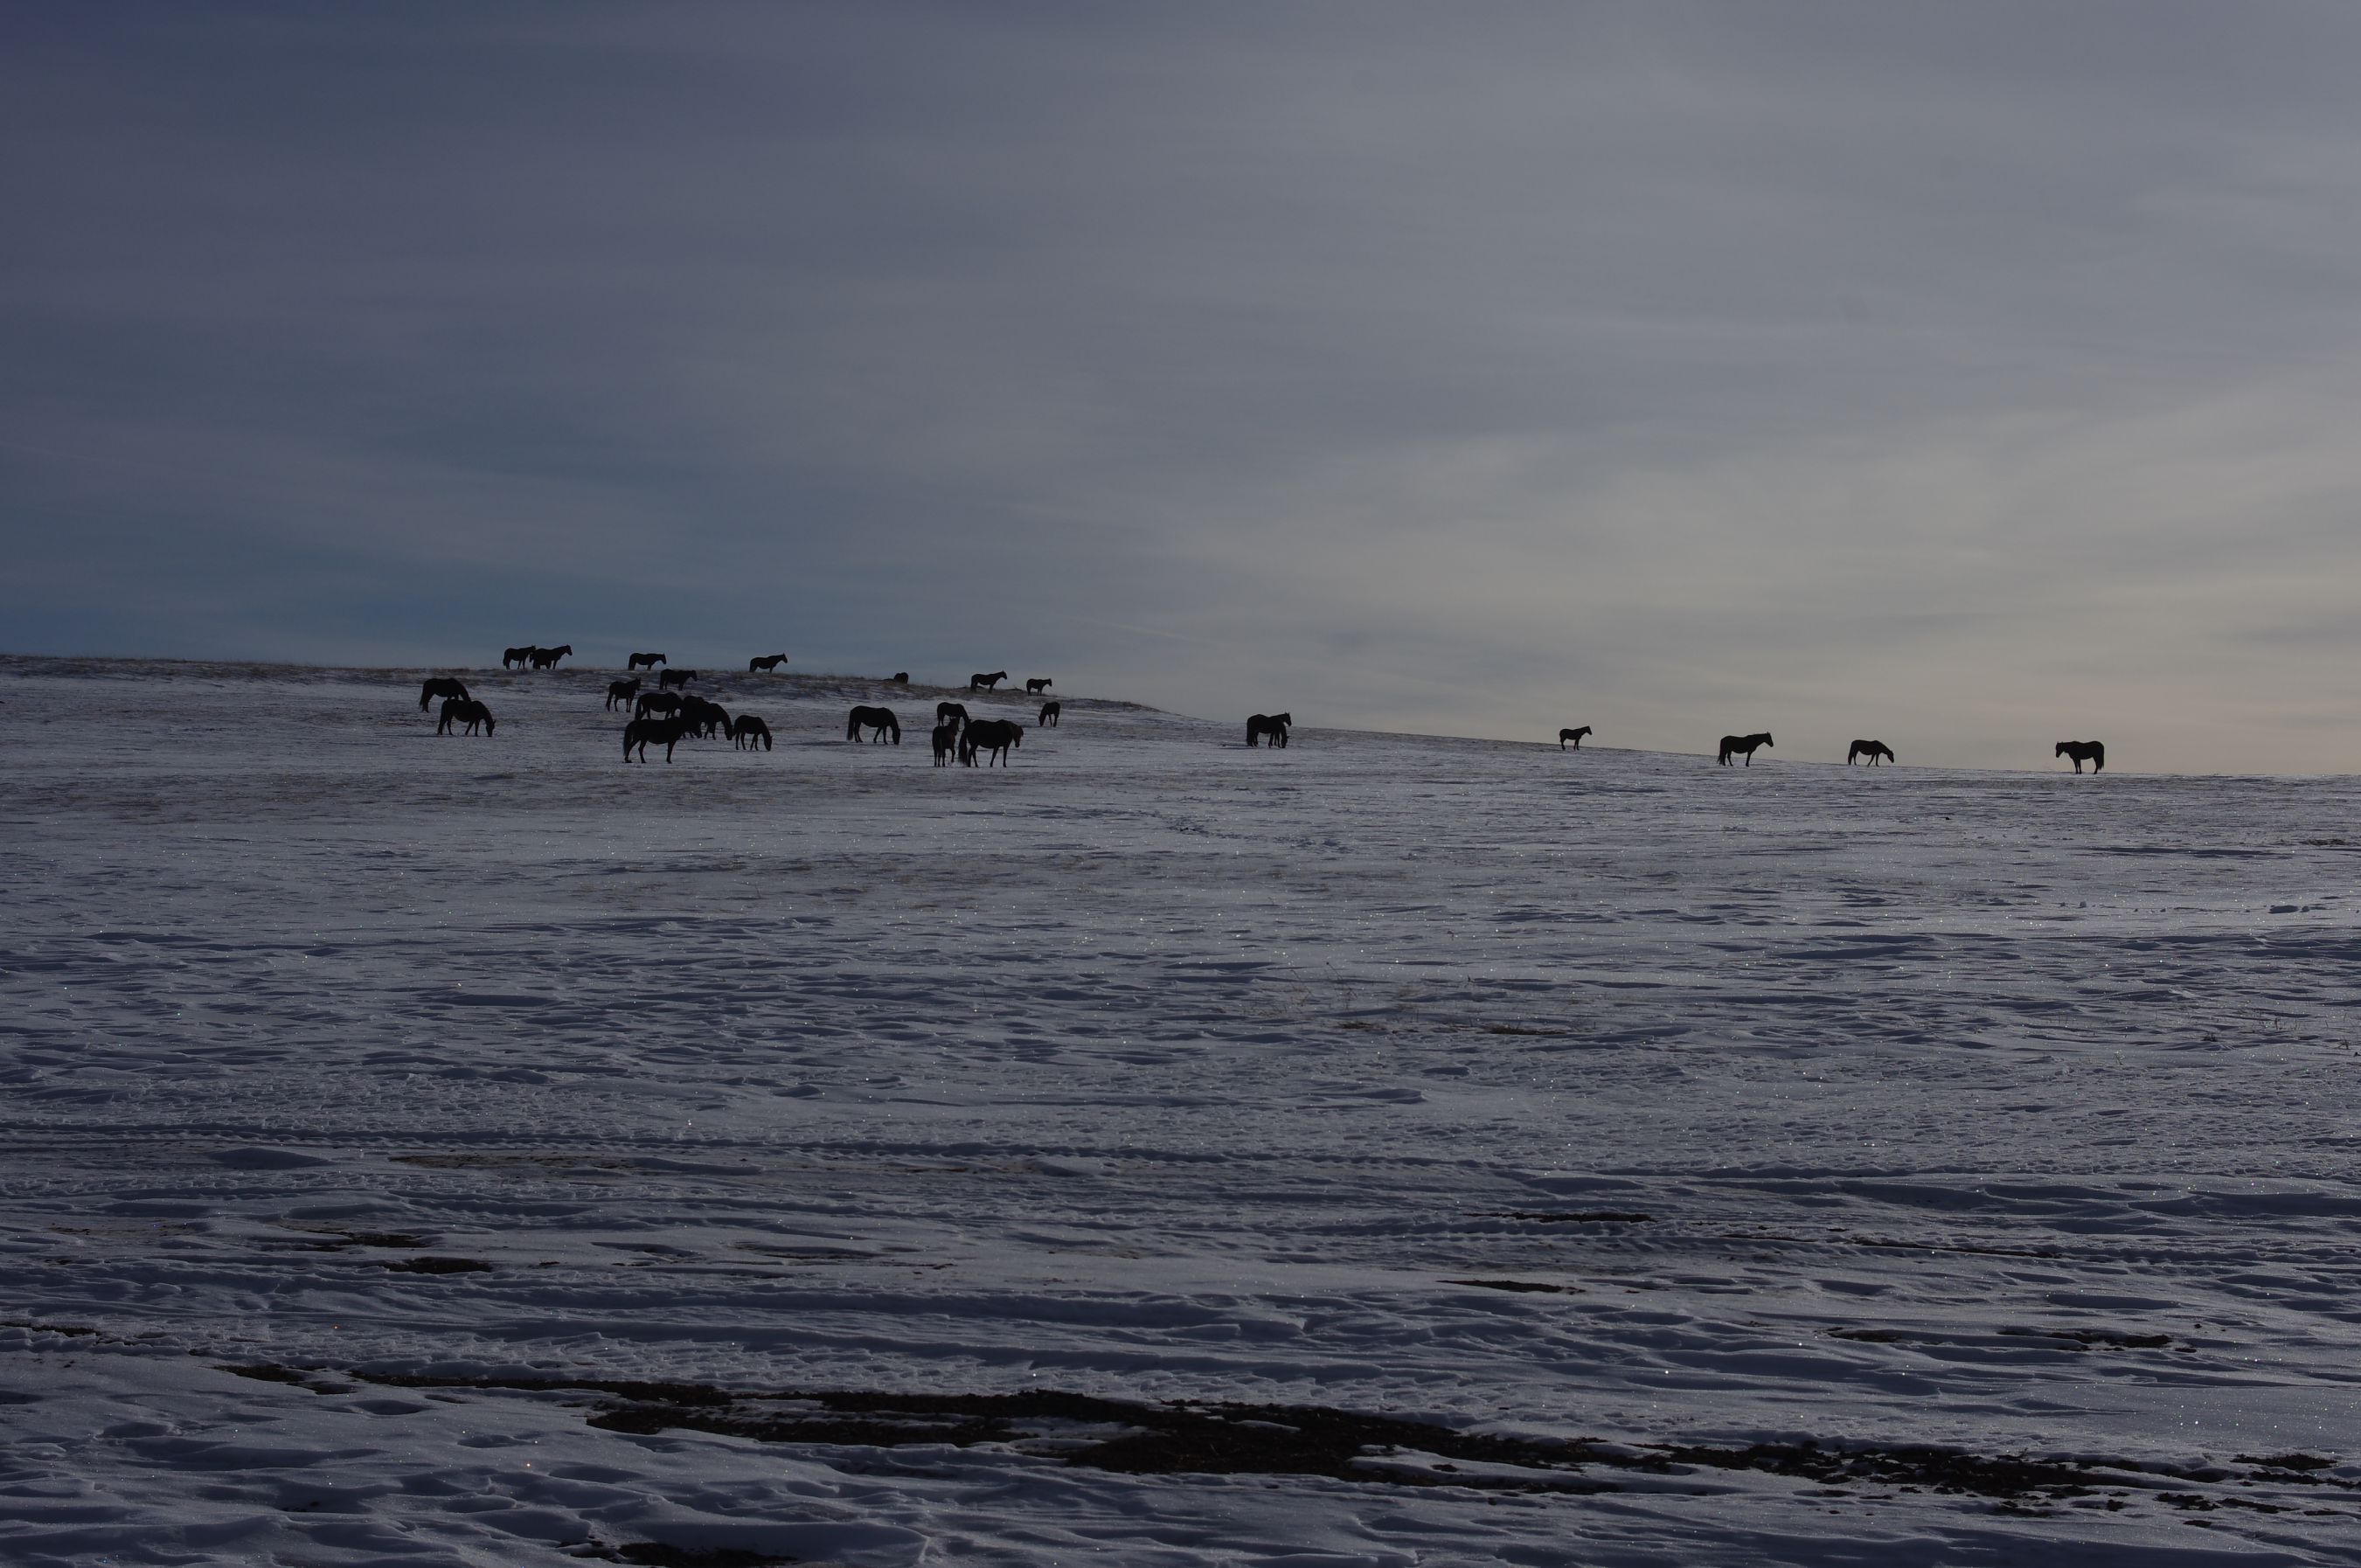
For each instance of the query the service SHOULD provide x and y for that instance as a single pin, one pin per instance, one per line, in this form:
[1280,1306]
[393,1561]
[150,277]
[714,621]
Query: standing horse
[703,718]
[644,732]
[768,662]
[1048,719]
[1035,688]
[621,692]
[1273,725]
[646,660]
[440,685]
[880,719]
[986,683]
[2091,751]
[992,738]
[672,677]
[1872,749]
[466,712]
[745,729]
[1574,735]
[953,713]
[946,743]
[1746,744]
[546,658]
[518,658]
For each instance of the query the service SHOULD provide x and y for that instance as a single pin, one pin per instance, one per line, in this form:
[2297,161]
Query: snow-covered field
[1388,1150]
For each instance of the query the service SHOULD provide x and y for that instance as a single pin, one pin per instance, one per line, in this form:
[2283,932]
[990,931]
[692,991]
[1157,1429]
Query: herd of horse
[671,714]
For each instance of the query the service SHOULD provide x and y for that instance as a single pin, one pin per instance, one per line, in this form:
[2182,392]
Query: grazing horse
[1872,749]
[768,662]
[745,729]
[986,683]
[1574,735]
[440,685]
[466,712]
[951,713]
[621,692]
[665,703]
[946,743]
[546,658]
[672,677]
[2091,751]
[1035,688]
[1048,719]
[644,732]
[1747,744]
[992,738]
[880,719]
[901,677]
[646,660]
[703,718]
[518,658]
[1273,725]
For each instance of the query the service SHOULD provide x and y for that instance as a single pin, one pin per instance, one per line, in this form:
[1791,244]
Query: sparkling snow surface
[2009,1113]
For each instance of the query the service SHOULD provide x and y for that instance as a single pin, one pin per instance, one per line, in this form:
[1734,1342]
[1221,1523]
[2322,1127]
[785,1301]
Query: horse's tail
[852,726]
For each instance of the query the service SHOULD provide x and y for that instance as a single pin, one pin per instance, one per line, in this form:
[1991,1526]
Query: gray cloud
[1971,377]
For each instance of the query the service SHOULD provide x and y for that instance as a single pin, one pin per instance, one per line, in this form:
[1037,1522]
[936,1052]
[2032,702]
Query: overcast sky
[1969,376]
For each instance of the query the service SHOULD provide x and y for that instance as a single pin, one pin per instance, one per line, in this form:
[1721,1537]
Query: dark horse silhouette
[646,660]
[1048,719]
[880,719]
[703,718]
[546,658]
[1035,688]
[440,687]
[901,677]
[767,662]
[646,733]
[986,683]
[518,658]
[1273,725]
[666,703]
[992,738]
[951,713]
[672,677]
[1872,749]
[621,692]
[2091,751]
[746,730]
[946,743]
[1574,735]
[464,712]
[1747,744]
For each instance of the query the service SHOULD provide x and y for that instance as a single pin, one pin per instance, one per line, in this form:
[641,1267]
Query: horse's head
[2061,748]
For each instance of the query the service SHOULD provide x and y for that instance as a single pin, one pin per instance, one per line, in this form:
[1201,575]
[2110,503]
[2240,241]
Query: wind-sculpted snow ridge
[1387,1150]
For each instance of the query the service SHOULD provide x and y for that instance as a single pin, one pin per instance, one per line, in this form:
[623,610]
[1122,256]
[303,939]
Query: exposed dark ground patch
[1573,1216]
[656,1555]
[1221,1438]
